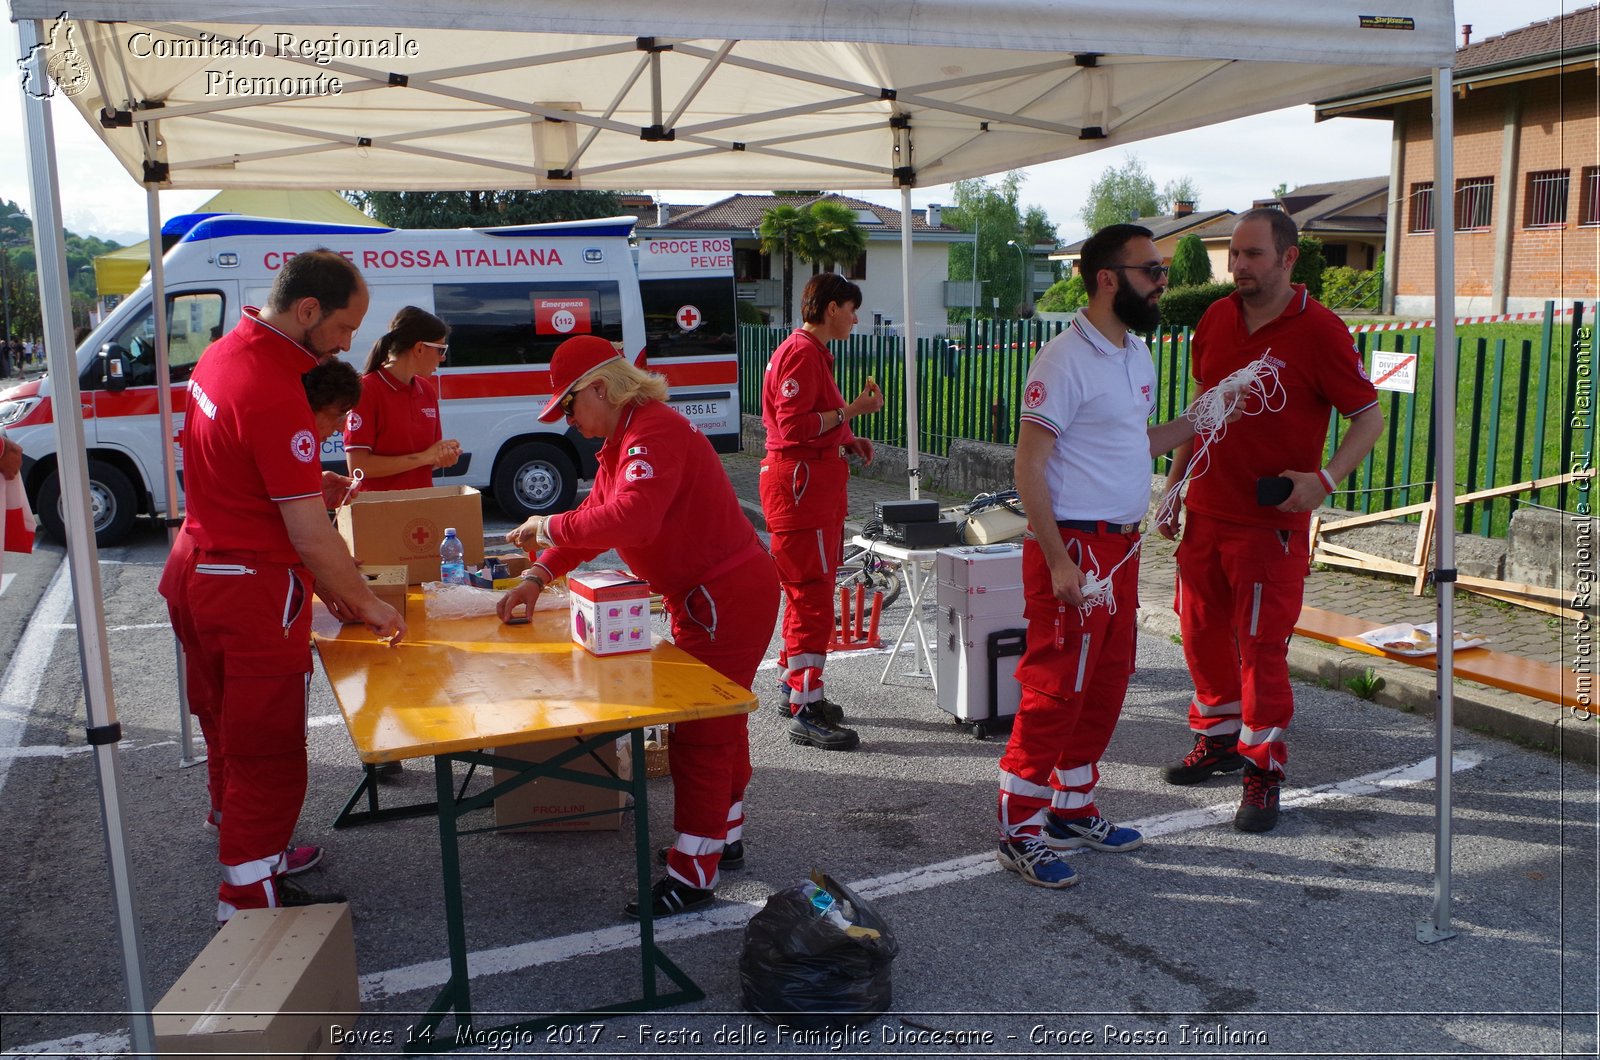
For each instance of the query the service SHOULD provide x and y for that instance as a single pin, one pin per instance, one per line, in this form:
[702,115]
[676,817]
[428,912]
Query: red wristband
[1327,480]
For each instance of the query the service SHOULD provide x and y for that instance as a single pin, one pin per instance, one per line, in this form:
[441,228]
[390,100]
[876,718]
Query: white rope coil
[1250,391]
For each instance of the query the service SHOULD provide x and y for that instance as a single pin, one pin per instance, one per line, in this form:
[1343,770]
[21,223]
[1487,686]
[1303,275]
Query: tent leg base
[1428,932]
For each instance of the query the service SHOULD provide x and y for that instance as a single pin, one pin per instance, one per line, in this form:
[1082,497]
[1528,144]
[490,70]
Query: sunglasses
[1155,272]
[568,401]
[443,348]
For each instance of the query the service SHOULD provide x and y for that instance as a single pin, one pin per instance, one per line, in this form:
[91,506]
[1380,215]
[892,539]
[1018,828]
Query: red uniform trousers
[245,624]
[1239,593]
[805,501]
[199,688]
[1074,673]
[725,623]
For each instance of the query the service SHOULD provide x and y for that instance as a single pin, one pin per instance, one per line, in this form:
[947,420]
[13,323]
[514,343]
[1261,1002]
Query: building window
[1547,198]
[1589,212]
[1421,207]
[750,264]
[1474,203]
[1335,255]
[856,271]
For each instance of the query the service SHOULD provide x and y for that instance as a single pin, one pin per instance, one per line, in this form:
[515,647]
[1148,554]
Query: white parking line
[19,688]
[727,916]
[730,915]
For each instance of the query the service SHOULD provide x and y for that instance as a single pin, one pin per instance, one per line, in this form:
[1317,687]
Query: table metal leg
[368,786]
[455,997]
[916,585]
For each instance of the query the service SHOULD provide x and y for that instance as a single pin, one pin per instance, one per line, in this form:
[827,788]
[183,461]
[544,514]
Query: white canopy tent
[668,93]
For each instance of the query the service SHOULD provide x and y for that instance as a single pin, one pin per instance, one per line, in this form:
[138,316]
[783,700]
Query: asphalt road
[1204,942]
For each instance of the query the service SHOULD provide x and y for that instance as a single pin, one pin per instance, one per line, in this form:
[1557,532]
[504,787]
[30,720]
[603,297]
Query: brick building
[1526,203]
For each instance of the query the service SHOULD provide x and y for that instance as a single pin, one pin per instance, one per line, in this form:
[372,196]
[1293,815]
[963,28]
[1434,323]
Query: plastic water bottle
[452,565]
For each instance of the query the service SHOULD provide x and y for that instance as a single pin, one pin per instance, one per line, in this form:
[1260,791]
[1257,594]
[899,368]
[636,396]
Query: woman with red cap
[662,499]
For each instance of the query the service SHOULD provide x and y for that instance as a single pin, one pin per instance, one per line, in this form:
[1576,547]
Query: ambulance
[510,296]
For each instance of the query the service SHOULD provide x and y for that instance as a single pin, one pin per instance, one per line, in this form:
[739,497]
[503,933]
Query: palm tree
[779,228]
[833,237]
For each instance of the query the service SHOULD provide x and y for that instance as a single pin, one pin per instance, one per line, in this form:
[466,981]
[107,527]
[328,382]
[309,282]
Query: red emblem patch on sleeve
[1033,397]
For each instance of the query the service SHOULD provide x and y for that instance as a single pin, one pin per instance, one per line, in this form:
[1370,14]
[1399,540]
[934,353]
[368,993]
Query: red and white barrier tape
[1503,318]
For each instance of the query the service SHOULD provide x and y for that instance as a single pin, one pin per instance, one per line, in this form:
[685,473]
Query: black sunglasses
[1155,272]
[567,402]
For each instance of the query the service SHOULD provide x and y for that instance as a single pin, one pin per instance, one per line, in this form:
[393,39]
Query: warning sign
[1394,371]
[561,316]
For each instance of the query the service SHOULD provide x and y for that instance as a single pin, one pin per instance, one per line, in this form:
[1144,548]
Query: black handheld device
[1273,491]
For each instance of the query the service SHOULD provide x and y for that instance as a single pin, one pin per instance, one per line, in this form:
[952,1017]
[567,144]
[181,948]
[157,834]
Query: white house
[759,277]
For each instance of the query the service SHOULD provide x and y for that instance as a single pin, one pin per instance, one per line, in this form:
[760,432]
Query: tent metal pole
[909,332]
[169,463]
[83,557]
[1437,927]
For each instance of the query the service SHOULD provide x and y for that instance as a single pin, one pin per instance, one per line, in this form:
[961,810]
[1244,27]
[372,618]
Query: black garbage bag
[800,969]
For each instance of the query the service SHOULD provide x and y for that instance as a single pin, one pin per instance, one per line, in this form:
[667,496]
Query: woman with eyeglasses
[662,499]
[394,437]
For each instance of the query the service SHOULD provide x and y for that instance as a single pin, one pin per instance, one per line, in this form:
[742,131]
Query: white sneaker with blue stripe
[1094,832]
[1036,863]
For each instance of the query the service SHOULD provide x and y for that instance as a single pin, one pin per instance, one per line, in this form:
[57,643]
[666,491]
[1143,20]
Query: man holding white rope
[1083,473]
[1243,561]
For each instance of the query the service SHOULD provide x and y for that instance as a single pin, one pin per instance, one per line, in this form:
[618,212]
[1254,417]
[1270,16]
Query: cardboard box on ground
[272,981]
[552,797]
[407,526]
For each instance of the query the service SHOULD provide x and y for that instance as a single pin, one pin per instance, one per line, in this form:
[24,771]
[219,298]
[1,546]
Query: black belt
[1096,526]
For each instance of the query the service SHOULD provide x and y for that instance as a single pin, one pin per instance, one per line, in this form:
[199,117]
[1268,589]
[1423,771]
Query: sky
[1231,164]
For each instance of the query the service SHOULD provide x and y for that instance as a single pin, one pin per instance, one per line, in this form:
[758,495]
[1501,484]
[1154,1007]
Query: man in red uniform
[1242,566]
[257,534]
[662,499]
[803,494]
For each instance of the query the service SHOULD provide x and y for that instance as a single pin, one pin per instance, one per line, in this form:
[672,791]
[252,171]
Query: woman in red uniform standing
[803,493]
[394,437]
[662,499]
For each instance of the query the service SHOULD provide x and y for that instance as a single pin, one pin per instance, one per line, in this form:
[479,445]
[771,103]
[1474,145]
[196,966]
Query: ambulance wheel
[111,500]
[980,730]
[535,479]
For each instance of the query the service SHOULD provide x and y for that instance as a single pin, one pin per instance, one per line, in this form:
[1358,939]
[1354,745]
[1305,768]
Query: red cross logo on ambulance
[790,388]
[1033,397]
[638,470]
[304,446]
[689,317]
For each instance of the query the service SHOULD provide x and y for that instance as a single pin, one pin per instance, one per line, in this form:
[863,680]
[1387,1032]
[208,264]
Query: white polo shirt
[1096,399]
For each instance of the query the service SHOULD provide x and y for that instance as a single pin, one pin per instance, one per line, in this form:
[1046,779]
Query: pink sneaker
[299,859]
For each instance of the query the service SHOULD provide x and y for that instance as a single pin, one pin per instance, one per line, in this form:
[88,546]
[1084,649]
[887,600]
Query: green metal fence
[1523,408]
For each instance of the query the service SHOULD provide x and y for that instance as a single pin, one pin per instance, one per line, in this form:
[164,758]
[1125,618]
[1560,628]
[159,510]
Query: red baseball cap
[573,361]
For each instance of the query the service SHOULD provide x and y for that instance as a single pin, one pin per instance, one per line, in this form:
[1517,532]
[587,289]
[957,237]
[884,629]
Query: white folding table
[916,574]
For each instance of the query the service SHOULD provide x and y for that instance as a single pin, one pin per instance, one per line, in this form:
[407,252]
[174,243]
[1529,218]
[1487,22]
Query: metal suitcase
[980,628]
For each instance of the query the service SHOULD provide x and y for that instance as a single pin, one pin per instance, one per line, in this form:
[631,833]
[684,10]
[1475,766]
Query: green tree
[1119,195]
[779,234]
[1180,190]
[19,271]
[483,209]
[1280,191]
[1308,269]
[831,235]
[1190,263]
[994,214]
[1064,296]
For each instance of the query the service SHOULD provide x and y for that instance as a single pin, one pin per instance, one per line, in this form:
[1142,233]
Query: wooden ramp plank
[1514,673]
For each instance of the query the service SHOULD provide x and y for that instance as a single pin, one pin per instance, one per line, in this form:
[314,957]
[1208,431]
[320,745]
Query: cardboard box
[279,981]
[550,797]
[609,613]
[407,526]
[388,583]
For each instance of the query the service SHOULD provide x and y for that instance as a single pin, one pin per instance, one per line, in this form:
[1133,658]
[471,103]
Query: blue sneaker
[1095,832]
[1029,857]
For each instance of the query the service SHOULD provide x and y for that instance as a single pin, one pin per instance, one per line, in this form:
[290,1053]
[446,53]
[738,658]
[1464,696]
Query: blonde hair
[626,383]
